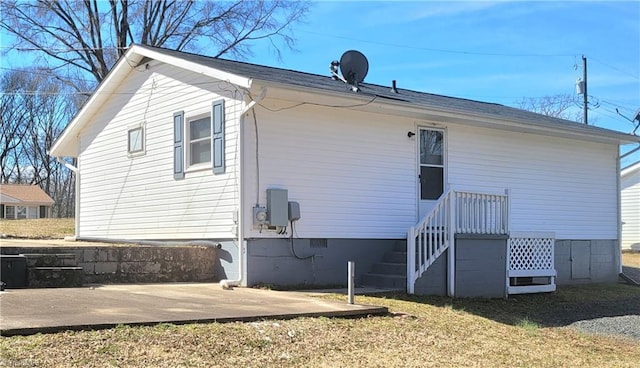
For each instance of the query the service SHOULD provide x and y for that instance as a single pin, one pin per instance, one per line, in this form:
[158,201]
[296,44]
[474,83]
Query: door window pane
[431,179]
[431,164]
[431,147]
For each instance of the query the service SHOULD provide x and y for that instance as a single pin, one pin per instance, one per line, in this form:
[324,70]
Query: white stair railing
[482,213]
[455,212]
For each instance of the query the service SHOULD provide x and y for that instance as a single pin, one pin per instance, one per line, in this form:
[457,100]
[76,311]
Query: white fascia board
[411,110]
[66,144]
[630,169]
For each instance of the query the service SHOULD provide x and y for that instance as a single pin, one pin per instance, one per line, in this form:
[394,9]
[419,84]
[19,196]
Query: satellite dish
[354,67]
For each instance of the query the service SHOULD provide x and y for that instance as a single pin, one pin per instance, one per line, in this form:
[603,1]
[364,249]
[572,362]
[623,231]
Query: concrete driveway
[28,311]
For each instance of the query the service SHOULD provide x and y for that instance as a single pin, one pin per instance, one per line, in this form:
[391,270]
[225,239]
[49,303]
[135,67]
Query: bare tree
[557,106]
[34,108]
[14,124]
[91,35]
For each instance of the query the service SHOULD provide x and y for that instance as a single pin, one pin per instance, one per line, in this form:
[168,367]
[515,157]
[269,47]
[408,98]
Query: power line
[44,74]
[615,68]
[65,49]
[449,51]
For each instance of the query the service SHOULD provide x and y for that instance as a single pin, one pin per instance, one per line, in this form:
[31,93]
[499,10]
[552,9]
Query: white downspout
[242,245]
[619,209]
[619,200]
[76,173]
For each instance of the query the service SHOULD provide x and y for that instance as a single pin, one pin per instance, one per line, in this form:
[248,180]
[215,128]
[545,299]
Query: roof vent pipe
[393,86]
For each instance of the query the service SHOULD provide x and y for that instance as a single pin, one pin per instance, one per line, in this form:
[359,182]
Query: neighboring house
[630,198]
[19,201]
[295,174]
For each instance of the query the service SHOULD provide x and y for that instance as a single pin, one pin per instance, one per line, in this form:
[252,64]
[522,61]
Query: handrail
[428,239]
[456,211]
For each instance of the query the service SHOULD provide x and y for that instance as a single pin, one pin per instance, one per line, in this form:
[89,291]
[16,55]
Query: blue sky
[500,51]
[488,51]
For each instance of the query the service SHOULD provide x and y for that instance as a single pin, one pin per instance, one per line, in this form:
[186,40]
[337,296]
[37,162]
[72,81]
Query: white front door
[431,168]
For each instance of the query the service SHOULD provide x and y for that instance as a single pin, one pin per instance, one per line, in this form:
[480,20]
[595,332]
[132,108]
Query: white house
[294,174]
[630,197]
[22,201]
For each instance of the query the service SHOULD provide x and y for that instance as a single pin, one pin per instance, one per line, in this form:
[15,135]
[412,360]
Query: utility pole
[584,95]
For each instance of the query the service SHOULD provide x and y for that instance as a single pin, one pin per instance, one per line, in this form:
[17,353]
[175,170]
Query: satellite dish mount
[354,67]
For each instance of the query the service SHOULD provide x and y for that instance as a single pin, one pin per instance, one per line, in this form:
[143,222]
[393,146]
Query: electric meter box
[277,207]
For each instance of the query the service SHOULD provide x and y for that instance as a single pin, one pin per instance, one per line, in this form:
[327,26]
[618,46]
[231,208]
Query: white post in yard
[411,260]
[352,278]
[452,245]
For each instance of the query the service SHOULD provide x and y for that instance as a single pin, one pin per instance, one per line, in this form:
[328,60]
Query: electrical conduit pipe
[228,284]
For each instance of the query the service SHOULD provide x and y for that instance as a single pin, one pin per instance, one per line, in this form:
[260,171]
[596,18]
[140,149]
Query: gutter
[619,209]
[76,172]
[242,244]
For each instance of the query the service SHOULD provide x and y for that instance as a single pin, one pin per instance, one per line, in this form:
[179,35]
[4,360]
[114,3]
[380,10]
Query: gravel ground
[624,325]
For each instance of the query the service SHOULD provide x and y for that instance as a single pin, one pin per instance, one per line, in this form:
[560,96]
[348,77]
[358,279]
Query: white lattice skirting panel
[531,255]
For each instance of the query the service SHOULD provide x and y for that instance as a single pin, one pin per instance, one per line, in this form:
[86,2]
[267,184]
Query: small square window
[136,140]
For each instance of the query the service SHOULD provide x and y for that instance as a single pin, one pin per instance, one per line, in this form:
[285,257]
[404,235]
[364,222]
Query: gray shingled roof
[419,99]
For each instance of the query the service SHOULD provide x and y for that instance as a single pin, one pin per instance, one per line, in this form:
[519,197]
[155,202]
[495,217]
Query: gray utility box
[278,207]
[13,270]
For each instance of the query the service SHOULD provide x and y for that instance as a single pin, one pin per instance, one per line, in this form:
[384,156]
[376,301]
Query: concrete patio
[29,311]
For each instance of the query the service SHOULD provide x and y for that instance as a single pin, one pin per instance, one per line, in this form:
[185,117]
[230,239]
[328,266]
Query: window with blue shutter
[217,136]
[178,145]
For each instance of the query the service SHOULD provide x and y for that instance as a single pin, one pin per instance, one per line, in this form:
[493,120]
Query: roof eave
[477,119]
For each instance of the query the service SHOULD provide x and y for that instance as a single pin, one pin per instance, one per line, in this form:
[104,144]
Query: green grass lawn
[523,331]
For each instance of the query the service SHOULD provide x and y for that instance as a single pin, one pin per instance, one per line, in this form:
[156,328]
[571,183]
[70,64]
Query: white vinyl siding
[352,173]
[557,184]
[139,198]
[630,209]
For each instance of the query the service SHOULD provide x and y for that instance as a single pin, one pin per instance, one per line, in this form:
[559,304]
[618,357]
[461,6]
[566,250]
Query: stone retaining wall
[138,264]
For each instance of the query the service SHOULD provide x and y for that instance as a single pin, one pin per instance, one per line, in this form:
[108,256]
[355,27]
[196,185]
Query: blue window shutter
[217,136]
[178,145]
